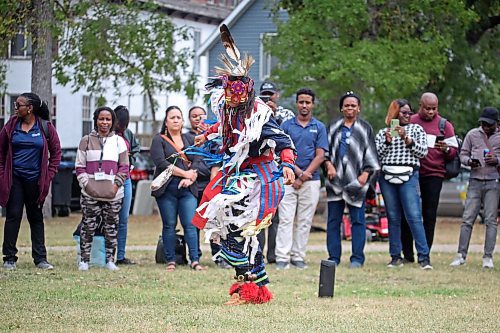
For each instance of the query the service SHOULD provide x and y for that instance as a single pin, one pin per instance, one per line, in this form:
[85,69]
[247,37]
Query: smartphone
[265,99]
[439,138]
[394,123]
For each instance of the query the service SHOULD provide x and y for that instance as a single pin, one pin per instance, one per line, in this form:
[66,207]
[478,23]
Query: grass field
[145,298]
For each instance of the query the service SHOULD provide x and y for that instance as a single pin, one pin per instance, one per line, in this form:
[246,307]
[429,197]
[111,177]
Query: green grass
[145,298]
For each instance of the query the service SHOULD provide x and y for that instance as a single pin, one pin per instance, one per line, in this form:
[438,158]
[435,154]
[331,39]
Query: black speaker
[327,278]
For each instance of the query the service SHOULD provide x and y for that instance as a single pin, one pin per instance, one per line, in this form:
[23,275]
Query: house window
[53,113]
[2,111]
[20,45]
[12,99]
[267,61]
[86,115]
[196,46]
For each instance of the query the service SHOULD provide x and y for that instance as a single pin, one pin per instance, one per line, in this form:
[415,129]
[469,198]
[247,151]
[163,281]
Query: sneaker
[111,266]
[488,263]
[83,266]
[282,265]
[44,265]
[10,265]
[425,265]
[459,260]
[396,262]
[356,264]
[125,261]
[299,264]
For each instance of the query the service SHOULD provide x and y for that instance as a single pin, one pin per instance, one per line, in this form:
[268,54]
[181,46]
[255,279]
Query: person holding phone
[481,151]
[432,166]
[400,148]
[270,94]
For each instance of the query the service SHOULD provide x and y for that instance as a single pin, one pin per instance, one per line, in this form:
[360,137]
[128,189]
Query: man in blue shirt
[301,198]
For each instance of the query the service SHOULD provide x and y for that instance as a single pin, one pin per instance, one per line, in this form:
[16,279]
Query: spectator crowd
[407,160]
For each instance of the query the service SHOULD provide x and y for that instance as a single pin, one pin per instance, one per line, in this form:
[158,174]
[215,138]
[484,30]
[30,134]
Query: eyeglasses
[17,105]
[406,113]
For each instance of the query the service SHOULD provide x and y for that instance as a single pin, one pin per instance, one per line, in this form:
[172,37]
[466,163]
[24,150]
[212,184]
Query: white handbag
[162,178]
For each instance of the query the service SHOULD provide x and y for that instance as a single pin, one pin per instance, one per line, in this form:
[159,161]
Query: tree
[14,15]
[384,50]
[126,43]
[123,42]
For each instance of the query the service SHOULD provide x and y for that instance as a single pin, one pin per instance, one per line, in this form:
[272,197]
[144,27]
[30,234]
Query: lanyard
[102,150]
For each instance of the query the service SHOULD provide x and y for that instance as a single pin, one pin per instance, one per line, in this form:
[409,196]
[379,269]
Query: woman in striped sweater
[102,166]
[400,148]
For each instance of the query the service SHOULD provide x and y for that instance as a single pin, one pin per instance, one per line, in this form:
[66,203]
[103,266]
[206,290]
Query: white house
[72,112]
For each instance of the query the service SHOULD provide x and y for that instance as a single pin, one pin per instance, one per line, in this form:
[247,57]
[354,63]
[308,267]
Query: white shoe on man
[488,263]
[458,261]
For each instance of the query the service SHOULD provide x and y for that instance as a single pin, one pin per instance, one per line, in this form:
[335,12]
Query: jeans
[358,229]
[430,188]
[485,192]
[402,199]
[24,193]
[180,203]
[123,219]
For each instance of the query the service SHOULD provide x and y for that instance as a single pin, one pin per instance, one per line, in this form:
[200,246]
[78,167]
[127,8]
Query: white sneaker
[111,266]
[488,263]
[83,266]
[458,261]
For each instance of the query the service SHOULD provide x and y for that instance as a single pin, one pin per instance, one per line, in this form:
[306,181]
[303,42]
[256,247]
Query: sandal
[197,267]
[171,266]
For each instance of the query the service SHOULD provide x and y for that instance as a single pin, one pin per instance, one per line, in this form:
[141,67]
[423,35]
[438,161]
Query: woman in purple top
[30,154]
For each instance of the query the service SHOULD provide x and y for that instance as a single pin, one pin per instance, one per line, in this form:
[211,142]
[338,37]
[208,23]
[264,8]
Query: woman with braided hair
[30,153]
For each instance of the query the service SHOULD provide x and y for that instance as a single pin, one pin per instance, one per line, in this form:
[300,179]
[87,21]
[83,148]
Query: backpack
[45,128]
[453,166]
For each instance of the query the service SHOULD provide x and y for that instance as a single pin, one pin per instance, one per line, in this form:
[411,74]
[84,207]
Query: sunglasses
[17,105]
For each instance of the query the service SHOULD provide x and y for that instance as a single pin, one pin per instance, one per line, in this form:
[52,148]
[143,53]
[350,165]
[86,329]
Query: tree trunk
[41,72]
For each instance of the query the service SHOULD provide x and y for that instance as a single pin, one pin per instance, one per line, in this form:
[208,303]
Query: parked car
[452,197]
[143,170]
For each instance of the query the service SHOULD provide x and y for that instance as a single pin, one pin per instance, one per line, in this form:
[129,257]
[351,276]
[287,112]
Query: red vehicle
[377,225]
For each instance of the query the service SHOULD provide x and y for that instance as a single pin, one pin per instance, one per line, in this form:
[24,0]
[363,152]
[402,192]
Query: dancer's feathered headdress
[233,64]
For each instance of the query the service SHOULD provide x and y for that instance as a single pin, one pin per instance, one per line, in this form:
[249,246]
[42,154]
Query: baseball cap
[489,115]
[268,86]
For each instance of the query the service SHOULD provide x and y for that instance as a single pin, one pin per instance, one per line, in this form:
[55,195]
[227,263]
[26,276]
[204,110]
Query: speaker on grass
[327,278]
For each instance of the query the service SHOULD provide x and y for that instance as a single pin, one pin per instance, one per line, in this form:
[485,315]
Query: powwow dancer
[242,198]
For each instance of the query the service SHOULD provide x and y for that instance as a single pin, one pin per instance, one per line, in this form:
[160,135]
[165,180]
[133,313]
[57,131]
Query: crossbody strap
[181,153]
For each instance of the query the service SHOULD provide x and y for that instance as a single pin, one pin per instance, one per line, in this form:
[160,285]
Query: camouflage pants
[94,212]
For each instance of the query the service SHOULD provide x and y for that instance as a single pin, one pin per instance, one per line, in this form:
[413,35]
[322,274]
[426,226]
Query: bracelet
[301,175]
